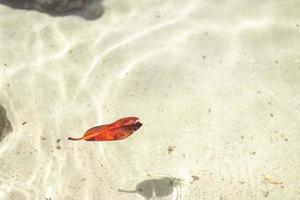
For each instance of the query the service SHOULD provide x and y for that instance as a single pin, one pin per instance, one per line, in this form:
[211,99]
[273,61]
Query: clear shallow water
[215,82]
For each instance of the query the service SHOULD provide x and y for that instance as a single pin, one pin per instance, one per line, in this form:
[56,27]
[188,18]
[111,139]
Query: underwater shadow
[5,125]
[161,187]
[87,9]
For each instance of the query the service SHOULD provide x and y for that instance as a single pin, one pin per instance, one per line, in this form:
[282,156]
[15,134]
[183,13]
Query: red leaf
[118,130]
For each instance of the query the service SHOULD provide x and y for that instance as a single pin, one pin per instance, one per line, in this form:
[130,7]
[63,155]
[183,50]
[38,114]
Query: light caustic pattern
[216,88]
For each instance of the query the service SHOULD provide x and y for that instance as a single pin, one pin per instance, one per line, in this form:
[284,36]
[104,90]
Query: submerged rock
[90,9]
[5,125]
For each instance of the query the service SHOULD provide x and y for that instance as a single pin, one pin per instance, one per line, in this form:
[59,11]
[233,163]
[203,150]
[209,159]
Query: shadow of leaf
[155,187]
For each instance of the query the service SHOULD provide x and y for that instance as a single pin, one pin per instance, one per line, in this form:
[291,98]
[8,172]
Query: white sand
[218,80]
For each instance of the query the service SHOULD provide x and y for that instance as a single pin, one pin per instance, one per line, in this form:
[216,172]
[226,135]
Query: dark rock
[5,125]
[89,9]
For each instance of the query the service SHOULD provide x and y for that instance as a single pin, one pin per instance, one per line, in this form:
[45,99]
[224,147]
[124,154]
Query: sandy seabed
[215,84]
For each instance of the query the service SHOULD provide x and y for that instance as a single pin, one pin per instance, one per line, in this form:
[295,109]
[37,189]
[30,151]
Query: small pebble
[171,148]
[195,178]
[272,180]
[266,193]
